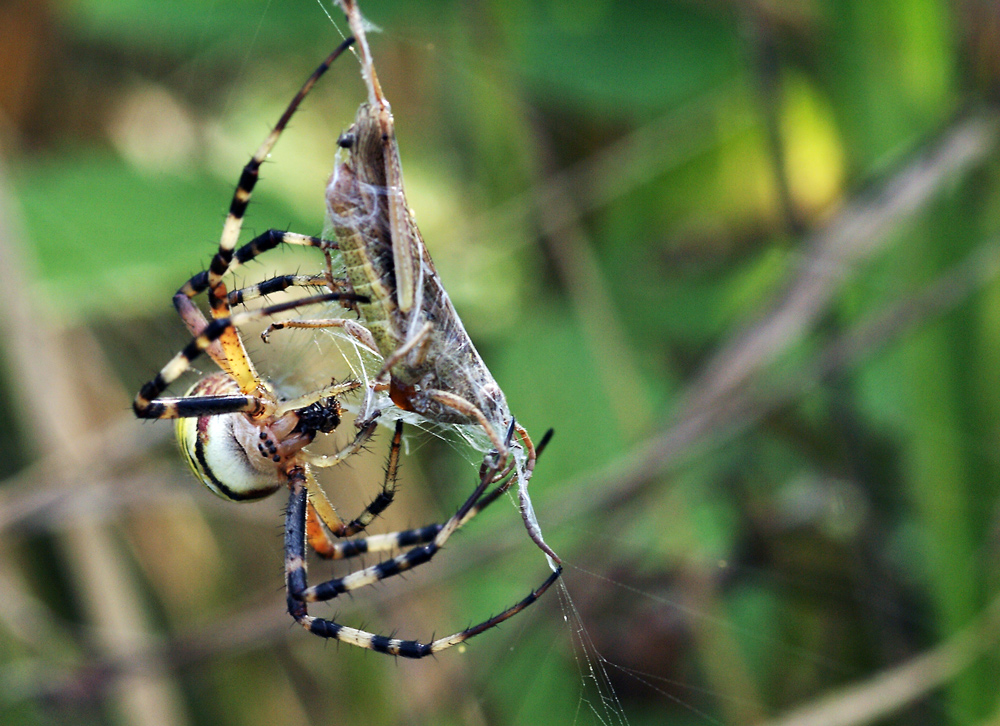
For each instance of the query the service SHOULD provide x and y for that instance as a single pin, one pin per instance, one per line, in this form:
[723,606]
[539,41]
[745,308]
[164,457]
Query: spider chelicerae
[245,443]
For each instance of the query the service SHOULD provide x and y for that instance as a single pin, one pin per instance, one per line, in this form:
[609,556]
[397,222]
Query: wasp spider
[245,443]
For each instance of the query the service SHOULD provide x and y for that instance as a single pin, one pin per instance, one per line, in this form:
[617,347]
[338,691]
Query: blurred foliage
[609,190]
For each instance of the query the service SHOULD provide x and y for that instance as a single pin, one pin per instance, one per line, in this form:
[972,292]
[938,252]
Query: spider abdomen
[231,454]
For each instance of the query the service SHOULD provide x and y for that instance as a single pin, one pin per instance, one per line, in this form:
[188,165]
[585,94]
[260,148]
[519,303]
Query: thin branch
[832,255]
[862,229]
[885,693]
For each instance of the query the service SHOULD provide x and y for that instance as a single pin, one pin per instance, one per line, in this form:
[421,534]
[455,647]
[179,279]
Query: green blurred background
[741,256]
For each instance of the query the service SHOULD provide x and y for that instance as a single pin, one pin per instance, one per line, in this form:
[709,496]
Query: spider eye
[346,140]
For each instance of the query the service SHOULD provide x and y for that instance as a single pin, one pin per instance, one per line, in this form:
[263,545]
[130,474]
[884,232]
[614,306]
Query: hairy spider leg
[319,533]
[407,538]
[257,246]
[260,244]
[239,365]
[299,593]
[273,285]
[148,403]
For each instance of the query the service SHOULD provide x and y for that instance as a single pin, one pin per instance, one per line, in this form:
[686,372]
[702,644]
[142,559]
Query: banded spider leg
[425,542]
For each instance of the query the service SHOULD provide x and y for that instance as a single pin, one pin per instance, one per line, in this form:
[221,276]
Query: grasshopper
[434,369]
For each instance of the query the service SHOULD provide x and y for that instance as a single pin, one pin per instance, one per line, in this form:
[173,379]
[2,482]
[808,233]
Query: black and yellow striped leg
[384,498]
[407,538]
[257,246]
[383,542]
[232,357]
[248,179]
[422,535]
[278,284]
[146,404]
[408,560]
[297,585]
[327,525]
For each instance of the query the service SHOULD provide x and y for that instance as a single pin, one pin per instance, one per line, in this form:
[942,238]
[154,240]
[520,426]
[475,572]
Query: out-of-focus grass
[839,534]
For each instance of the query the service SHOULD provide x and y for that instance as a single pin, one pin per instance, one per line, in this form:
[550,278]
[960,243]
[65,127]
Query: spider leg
[146,404]
[296,585]
[239,365]
[271,239]
[248,179]
[320,529]
[196,322]
[409,537]
[384,498]
[382,542]
[280,284]
[304,401]
[321,518]
[418,556]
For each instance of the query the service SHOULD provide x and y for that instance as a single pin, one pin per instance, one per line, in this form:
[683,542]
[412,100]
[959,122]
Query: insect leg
[471,411]
[356,330]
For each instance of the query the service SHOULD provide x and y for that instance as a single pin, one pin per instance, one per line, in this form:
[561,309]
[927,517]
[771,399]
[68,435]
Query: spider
[244,442]
[430,365]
